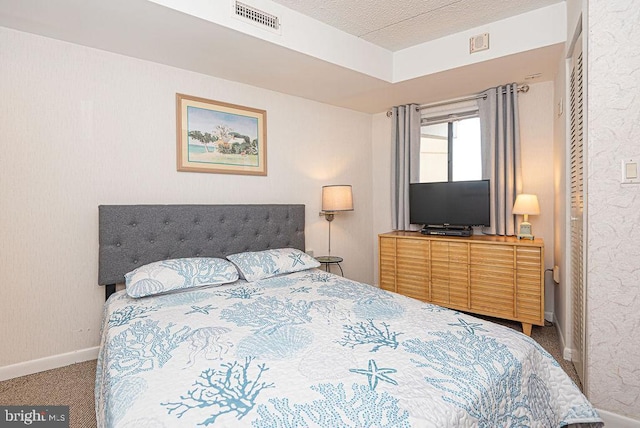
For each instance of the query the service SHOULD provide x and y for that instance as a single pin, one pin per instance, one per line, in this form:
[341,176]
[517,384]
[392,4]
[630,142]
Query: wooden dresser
[497,276]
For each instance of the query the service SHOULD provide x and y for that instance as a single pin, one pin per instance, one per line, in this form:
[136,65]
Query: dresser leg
[526,328]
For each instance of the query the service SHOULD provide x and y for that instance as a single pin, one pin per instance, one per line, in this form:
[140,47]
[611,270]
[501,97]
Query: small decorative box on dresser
[497,276]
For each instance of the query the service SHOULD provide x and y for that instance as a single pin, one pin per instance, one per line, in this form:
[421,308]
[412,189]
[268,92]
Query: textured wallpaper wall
[613,253]
[81,127]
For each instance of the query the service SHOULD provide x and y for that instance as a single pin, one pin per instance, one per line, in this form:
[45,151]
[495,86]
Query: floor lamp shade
[337,198]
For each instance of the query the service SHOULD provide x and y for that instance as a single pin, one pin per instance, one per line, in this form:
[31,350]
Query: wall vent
[479,43]
[257,16]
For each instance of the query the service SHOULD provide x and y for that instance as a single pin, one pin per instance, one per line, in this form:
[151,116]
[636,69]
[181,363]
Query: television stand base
[463,231]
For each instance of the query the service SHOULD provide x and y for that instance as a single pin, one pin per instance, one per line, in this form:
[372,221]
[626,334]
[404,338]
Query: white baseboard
[613,420]
[48,363]
[566,351]
[550,316]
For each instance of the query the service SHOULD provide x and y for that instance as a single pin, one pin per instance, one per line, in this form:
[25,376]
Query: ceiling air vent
[257,16]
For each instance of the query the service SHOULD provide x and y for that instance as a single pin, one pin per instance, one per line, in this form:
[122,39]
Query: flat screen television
[455,203]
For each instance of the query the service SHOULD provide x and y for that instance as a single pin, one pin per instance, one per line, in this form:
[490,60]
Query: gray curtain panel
[405,157]
[500,141]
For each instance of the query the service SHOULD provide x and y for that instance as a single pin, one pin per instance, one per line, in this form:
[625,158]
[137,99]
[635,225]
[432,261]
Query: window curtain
[500,145]
[405,169]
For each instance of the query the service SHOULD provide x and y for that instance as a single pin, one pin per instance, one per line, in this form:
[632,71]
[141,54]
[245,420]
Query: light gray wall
[81,127]
[536,133]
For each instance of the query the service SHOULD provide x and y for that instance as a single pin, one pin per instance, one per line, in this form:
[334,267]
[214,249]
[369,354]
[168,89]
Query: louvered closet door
[577,192]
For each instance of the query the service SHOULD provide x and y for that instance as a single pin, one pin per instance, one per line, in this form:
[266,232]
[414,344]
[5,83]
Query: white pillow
[176,274]
[265,264]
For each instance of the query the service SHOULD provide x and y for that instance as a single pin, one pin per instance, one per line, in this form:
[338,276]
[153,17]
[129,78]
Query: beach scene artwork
[220,137]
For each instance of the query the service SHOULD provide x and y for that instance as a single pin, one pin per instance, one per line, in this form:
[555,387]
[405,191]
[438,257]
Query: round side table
[331,260]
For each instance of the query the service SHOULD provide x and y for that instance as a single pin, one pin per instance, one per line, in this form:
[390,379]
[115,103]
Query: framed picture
[220,138]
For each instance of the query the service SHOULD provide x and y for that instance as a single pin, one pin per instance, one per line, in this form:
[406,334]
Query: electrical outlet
[560,107]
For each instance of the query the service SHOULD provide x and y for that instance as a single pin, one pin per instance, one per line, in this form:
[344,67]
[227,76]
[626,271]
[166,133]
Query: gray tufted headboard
[134,235]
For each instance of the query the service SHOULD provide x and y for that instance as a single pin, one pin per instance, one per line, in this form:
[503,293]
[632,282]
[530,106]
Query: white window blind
[449,112]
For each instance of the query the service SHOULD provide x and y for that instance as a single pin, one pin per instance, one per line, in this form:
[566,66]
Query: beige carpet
[67,386]
[73,385]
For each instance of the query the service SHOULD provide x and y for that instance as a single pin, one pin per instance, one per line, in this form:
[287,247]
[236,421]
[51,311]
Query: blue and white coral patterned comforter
[313,349]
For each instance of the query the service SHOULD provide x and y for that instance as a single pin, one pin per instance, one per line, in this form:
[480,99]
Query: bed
[290,345]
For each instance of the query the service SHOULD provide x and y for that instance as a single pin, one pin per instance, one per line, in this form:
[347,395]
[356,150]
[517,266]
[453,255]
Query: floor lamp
[334,199]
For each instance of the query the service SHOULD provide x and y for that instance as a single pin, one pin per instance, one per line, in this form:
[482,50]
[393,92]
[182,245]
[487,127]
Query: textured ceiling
[399,24]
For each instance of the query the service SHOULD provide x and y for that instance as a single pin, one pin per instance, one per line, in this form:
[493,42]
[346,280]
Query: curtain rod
[524,89]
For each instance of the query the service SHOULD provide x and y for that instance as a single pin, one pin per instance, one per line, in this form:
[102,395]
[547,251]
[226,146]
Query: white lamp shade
[526,204]
[337,198]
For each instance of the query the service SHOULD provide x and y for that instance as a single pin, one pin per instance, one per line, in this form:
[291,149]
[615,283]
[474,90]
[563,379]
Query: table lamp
[526,205]
[335,198]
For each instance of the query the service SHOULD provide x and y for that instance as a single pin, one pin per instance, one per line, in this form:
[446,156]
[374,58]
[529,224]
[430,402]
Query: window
[450,151]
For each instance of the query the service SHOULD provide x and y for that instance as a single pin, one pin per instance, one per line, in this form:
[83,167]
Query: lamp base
[328,215]
[525,231]
[525,236]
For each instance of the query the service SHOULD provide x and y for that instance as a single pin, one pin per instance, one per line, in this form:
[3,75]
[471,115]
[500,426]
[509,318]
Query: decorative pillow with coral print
[177,274]
[265,264]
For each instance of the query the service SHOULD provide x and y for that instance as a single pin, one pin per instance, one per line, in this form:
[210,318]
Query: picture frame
[220,138]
